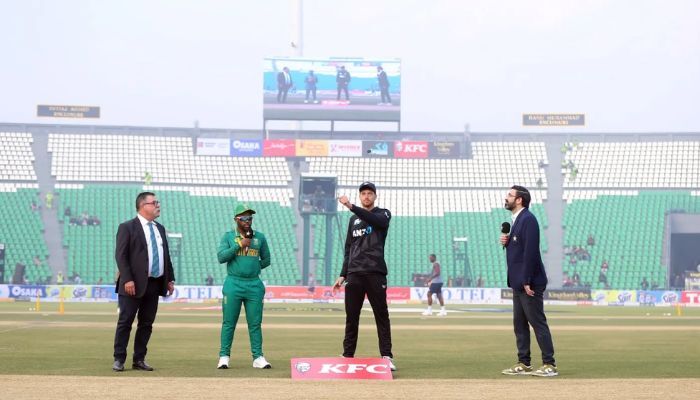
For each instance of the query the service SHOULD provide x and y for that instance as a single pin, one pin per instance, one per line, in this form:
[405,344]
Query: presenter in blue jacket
[527,278]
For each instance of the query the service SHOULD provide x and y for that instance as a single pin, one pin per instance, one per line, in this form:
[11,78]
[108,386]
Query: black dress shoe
[141,365]
[118,366]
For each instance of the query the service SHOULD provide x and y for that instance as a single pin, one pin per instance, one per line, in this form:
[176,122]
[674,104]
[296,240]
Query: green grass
[593,342]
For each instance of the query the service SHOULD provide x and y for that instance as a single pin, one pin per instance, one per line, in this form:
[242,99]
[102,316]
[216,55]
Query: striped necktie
[154,249]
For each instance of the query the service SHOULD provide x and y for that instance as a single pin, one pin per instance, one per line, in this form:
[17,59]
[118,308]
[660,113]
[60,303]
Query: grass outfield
[472,342]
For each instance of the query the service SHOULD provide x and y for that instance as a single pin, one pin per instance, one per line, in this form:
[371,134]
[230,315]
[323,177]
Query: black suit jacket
[383,80]
[525,265]
[131,255]
[282,81]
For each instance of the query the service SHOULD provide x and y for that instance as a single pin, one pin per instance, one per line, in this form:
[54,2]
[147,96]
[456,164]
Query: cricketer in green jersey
[245,253]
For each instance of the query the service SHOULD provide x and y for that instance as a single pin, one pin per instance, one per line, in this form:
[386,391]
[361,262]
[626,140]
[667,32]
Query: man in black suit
[527,278]
[145,273]
[342,78]
[284,82]
[383,86]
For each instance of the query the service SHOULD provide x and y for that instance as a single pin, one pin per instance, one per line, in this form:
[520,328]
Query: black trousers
[282,94]
[146,307]
[530,310]
[385,94]
[312,91]
[374,286]
[343,87]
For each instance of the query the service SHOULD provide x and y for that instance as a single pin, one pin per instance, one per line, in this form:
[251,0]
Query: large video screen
[339,89]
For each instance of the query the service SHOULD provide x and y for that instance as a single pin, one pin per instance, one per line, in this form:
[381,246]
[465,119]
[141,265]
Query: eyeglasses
[245,219]
[155,203]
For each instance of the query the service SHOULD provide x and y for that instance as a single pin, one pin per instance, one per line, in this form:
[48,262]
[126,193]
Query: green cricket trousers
[249,292]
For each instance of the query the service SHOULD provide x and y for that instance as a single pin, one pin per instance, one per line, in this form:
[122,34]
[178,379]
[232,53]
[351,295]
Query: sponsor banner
[556,295]
[103,292]
[196,293]
[4,292]
[443,149]
[312,148]
[213,146]
[554,119]
[567,295]
[371,148]
[691,297]
[246,148]
[340,368]
[75,292]
[410,149]
[658,297]
[279,148]
[30,291]
[345,148]
[614,297]
[461,295]
[325,293]
[291,292]
[398,294]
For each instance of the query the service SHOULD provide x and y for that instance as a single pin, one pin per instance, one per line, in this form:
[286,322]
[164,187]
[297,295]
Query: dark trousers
[313,91]
[374,286]
[282,94]
[146,307]
[530,310]
[385,94]
[343,87]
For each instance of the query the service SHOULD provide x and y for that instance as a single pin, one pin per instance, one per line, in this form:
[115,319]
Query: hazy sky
[629,65]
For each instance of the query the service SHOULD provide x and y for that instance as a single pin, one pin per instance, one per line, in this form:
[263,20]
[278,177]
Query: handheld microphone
[249,235]
[505,229]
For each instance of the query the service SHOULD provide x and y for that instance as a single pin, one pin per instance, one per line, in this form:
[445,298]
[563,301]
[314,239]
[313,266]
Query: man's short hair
[523,193]
[141,198]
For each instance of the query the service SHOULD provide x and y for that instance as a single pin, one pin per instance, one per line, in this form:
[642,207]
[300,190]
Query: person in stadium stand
[527,278]
[435,287]
[246,254]
[145,273]
[364,270]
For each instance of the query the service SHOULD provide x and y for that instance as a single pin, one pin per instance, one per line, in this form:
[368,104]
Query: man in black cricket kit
[364,270]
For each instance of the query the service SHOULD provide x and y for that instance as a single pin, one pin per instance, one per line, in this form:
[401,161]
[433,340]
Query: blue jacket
[525,265]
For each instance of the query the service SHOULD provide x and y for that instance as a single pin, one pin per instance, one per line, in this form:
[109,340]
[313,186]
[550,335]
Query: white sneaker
[306,102]
[223,362]
[315,101]
[391,362]
[262,363]
[442,313]
[427,313]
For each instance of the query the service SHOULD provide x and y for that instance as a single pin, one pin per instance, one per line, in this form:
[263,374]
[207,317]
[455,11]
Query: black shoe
[141,365]
[118,366]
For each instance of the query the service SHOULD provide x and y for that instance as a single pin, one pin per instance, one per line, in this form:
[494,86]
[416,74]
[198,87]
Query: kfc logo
[353,368]
[341,368]
[412,149]
[415,148]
